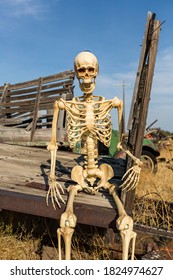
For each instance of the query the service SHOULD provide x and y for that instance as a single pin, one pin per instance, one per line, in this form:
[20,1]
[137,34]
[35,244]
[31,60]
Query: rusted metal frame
[141,98]
[36,109]
[154,231]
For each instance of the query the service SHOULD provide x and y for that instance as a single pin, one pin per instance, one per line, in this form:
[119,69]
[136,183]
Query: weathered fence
[26,109]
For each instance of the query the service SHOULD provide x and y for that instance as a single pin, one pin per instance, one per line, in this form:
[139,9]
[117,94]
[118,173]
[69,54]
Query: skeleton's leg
[68,223]
[124,224]
[133,245]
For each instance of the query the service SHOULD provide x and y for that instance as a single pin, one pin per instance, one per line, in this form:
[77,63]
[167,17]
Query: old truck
[150,151]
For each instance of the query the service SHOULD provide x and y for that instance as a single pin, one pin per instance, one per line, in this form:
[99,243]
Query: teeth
[87,85]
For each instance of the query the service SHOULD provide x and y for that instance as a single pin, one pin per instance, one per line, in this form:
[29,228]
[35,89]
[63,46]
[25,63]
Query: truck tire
[149,162]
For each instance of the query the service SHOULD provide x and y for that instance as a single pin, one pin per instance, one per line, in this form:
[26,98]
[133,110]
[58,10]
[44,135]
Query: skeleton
[89,120]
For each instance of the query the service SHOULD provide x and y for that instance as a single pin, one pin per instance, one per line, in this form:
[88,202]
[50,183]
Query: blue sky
[40,38]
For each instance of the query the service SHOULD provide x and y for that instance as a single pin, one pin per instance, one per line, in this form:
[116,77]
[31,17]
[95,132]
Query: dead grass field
[17,246]
[159,186]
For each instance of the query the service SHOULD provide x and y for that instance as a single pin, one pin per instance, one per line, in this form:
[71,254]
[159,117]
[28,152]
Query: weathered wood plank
[36,109]
[23,184]
[27,101]
[35,205]
[69,74]
[27,92]
[4,94]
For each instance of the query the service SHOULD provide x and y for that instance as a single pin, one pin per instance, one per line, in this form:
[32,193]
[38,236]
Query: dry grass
[17,246]
[154,193]
[157,186]
[89,246]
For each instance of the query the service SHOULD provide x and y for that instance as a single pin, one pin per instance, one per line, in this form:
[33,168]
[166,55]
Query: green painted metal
[147,144]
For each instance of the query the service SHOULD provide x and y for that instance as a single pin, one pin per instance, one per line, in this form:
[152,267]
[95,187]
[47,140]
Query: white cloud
[163,78]
[17,8]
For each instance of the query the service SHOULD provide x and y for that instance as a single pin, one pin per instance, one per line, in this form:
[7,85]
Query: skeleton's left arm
[117,103]
[131,177]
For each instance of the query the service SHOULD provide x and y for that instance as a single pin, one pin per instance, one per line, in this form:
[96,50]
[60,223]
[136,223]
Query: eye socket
[82,70]
[91,69]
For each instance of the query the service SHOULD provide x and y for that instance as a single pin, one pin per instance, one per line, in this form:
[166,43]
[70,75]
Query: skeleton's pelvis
[87,178]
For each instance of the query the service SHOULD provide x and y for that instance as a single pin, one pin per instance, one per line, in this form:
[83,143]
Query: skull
[86,70]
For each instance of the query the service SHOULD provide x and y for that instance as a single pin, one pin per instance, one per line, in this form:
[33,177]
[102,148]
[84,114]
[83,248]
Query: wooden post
[141,98]
[4,95]
[35,115]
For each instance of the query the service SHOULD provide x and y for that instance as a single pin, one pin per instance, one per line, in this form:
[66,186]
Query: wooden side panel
[29,105]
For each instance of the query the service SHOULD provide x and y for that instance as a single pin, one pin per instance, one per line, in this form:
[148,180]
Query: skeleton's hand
[131,178]
[54,193]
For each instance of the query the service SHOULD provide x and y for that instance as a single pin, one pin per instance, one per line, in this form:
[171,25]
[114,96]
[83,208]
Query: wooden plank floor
[24,181]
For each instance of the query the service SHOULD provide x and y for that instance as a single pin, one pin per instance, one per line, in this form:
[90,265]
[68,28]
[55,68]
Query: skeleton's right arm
[52,147]
[57,106]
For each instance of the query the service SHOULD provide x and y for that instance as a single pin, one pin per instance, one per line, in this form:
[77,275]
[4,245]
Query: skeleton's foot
[67,224]
[54,193]
[125,226]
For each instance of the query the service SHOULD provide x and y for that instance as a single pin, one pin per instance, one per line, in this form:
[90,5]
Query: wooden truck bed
[24,181]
